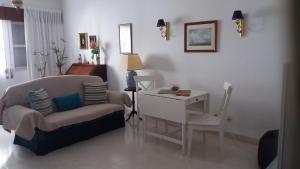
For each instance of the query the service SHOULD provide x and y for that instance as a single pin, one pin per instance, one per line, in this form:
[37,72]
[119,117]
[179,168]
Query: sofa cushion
[82,114]
[94,93]
[40,101]
[69,102]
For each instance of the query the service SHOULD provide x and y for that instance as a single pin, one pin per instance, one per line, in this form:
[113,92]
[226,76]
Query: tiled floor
[125,149]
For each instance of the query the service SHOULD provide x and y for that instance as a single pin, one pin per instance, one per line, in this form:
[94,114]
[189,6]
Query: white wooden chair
[210,122]
[144,83]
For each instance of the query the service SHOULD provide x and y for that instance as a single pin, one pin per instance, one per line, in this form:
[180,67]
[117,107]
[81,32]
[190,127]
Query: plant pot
[59,71]
[98,61]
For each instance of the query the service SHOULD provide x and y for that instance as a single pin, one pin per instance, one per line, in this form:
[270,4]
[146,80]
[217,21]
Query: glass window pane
[18,34]
[20,57]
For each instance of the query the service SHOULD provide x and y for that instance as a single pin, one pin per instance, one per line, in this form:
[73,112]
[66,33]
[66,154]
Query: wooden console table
[86,69]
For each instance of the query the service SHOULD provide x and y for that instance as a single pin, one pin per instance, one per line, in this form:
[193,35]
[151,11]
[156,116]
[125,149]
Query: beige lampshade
[131,62]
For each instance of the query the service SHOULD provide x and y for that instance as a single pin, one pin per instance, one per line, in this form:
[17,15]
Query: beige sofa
[44,134]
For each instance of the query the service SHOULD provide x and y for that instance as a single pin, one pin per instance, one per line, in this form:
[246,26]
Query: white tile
[125,149]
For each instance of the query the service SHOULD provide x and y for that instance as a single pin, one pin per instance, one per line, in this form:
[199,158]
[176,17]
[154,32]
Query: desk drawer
[163,108]
[195,100]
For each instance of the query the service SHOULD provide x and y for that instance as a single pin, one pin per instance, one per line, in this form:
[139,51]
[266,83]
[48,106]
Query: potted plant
[41,68]
[60,58]
[96,53]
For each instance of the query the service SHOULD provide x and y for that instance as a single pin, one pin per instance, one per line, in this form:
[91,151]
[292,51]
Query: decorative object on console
[96,52]
[85,60]
[238,17]
[131,62]
[60,56]
[86,69]
[125,38]
[17,3]
[79,59]
[201,36]
[164,29]
[83,41]
[41,68]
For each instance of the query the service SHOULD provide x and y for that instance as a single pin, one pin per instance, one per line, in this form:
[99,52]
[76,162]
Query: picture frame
[83,41]
[201,36]
[125,38]
[93,41]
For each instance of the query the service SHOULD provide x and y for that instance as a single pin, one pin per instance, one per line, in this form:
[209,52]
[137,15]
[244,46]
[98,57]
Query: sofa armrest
[121,98]
[22,119]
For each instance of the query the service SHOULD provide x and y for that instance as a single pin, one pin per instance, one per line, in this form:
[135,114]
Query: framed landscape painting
[201,36]
[125,38]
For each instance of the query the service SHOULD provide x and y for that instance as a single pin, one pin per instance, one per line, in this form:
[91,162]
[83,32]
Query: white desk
[170,108]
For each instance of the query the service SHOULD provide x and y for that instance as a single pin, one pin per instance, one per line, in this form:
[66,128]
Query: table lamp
[130,63]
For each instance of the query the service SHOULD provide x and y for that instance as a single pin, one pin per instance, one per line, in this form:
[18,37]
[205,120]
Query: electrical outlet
[229,118]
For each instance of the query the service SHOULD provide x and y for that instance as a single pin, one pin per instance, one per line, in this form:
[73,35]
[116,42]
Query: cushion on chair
[94,93]
[39,100]
[205,119]
[69,102]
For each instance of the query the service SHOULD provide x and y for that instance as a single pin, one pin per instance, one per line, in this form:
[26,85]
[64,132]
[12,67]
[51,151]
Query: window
[19,47]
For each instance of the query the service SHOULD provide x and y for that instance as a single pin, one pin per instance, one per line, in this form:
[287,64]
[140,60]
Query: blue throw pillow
[66,103]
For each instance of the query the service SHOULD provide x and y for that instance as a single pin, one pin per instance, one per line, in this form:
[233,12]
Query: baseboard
[242,138]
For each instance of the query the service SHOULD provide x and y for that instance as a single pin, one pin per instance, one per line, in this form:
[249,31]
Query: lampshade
[131,62]
[161,23]
[237,15]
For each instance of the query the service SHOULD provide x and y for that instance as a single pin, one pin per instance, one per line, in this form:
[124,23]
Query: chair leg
[144,127]
[166,127]
[221,135]
[156,124]
[190,139]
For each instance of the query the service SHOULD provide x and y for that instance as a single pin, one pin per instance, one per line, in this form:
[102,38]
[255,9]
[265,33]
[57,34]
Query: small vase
[98,61]
[59,71]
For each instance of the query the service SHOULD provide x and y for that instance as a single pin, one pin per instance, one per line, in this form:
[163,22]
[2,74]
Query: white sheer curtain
[6,50]
[42,28]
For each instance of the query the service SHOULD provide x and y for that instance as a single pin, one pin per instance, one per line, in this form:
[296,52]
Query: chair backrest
[145,83]
[226,98]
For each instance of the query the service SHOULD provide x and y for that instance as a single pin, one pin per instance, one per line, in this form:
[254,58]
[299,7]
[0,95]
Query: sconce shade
[161,23]
[237,15]
[131,62]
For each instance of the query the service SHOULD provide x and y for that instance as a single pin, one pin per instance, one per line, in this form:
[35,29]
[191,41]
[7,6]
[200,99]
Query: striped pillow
[39,101]
[94,93]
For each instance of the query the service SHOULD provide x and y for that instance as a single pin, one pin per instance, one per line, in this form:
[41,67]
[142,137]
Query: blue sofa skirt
[45,142]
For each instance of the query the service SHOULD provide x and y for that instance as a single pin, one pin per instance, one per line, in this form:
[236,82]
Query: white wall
[252,64]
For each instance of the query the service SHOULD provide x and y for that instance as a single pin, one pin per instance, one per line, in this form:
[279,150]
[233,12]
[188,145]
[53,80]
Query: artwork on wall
[201,36]
[93,41]
[83,40]
[125,38]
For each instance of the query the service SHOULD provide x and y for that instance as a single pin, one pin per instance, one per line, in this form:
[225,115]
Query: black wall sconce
[238,17]
[164,29]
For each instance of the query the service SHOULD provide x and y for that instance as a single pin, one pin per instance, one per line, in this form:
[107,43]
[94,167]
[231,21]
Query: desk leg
[183,137]
[144,127]
[206,104]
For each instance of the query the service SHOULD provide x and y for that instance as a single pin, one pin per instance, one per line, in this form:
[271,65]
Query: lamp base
[130,79]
